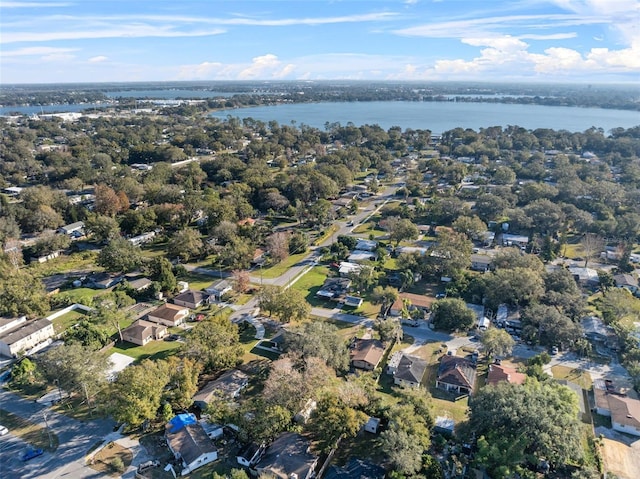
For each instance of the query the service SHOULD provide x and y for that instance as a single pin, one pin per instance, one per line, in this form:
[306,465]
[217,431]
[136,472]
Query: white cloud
[33,4]
[550,36]
[36,51]
[121,31]
[98,59]
[266,66]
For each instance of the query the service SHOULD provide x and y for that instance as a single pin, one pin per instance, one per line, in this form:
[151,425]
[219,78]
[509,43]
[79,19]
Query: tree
[404,453]
[21,292]
[389,329]
[185,245]
[183,382]
[215,343]
[510,258]
[87,334]
[472,226]
[497,341]
[103,228]
[278,246]
[136,394]
[161,271]
[547,325]
[106,201]
[450,256]
[533,421]
[592,245]
[120,255]
[332,420]
[286,304]
[385,296]
[364,278]
[517,286]
[399,229]
[24,372]
[75,368]
[241,280]
[452,314]
[320,340]
[48,243]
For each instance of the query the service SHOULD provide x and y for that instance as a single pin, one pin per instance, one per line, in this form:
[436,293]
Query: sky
[59,41]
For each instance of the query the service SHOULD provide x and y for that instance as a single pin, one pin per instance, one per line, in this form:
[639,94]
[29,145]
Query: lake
[439,116]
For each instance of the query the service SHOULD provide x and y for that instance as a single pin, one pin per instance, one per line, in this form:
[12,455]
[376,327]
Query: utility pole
[46,423]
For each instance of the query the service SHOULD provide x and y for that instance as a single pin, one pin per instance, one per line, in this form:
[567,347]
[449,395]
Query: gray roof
[410,368]
[226,385]
[190,442]
[288,454]
[457,371]
[24,330]
[191,296]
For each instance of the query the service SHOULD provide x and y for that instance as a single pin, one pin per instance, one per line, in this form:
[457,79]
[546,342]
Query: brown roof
[504,373]
[191,296]
[457,372]
[418,300]
[142,329]
[625,410]
[168,311]
[190,442]
[367,350]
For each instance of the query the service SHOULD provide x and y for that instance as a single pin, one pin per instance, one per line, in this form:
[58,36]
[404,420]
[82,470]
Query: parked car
[441,295]
[32,453]
[554,350]
[3,431]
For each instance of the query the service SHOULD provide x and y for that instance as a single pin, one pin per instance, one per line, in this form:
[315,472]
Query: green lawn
[369,228]
[153,350]
[64,322]
[197,281]
[282,267]
[154,250]
[578,376]
[66,263]
[311,283]
[83,295]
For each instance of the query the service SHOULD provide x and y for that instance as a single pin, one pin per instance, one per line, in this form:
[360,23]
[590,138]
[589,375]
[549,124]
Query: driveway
[75,439]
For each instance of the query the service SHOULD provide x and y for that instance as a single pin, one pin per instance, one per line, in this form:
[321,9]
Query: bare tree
[278,246]
[592,244]
[241,280]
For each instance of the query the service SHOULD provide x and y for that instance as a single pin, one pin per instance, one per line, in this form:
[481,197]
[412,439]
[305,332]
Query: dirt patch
[105,459]
[621,454]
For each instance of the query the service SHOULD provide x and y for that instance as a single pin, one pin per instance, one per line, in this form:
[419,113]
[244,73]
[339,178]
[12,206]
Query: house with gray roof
[189,443]
[19,335]
[407,371]
[287,457]
[227,386]
[456,374]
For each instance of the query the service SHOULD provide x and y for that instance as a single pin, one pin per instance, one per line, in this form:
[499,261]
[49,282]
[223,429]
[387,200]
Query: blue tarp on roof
[180,421]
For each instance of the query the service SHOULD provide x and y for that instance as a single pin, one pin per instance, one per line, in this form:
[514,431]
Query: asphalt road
[75,439]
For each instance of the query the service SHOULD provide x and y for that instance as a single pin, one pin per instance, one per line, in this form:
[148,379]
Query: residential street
[75,440]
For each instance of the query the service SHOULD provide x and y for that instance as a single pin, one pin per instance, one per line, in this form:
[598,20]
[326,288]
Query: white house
[17,335]
[189,443]
[218,289]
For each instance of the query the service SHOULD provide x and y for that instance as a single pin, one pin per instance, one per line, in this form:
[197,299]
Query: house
[169,314]
[334,288]
[191,299]
[347,268]
[142,238]
[356,469]
[218,289]
[483,322]
[227,386]
[214,431]
[250,455]
[626,281]
[407,371]
[189,443]
[259,257]
[353,301]
[625,414]
[498,373]
[141,332]
[140,284]
[480,262]
[104,280]
[77,228]
[366,245]
[596,331]
[585,276]
[514,240]
[361,256]
[413,302]
[456,374]
[17,335]
[366,353]
[288,457]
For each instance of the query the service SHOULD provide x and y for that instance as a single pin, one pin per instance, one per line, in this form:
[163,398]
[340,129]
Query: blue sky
[47,41]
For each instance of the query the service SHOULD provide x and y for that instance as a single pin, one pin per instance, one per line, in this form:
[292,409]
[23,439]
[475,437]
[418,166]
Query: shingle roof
[190,442]
[410,368]
[457,372]
[24,330]
[191,296]
[625,410]
[167,311]
[287,455]
[367,350]
[504,373]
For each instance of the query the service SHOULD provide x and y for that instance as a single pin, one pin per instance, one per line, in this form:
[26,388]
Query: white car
[3,431]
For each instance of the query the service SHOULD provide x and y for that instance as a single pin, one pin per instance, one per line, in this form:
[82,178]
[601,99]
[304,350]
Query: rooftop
[287,455]
[24,330]
[410,368]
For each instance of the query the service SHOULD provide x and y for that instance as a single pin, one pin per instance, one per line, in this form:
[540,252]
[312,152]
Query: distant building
[480,262]
[142,332]
[77,227]
[514,240]
[366,245]
[169,314]
[191,299]
[623,410]
[334,288]
[227,386]
[360,256]
[626,281]
[218,289]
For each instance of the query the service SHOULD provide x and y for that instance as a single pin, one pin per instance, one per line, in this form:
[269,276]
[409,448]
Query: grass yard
[102,461]
[311,283]
[369,228]
[282,267]
[197,281]
[578,376]
[31,433]
[326,235]
[66,263]
[83,295]
[153,350]
[64,322]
